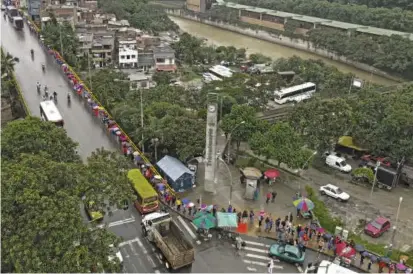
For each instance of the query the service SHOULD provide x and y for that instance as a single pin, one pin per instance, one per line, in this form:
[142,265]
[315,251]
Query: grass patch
[329,223]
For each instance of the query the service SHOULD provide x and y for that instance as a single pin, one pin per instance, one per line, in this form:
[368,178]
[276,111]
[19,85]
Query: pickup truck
[176,251]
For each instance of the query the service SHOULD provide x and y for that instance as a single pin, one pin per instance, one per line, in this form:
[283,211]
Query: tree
[281,143]
[42,228]
[8,62]
[33,136]
[62,38]
[162,77]
[258,58]
[240,123]
[321,123]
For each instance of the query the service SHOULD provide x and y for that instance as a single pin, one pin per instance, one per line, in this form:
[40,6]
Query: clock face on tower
[211,108]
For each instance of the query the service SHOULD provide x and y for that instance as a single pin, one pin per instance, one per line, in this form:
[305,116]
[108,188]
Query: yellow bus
[92,213]
[147,197]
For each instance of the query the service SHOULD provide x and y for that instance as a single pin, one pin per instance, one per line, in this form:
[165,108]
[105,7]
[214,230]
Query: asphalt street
[80,125]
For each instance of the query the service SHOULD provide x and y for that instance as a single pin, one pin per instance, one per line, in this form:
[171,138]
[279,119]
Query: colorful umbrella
[185,201]
[365,254]
[401,267]
[373,258]
[204,220]
[272,174]
[209,208]
[190,205]
[203,206]
[320,229]
[384,260]
[304,204]
[359,248]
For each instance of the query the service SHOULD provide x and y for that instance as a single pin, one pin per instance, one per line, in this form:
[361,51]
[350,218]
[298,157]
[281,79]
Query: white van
[338,163]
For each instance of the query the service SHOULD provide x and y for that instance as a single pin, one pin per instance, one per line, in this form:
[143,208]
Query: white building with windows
[128,54]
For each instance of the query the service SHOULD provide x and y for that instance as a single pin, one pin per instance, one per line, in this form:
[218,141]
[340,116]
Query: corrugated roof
[173,167]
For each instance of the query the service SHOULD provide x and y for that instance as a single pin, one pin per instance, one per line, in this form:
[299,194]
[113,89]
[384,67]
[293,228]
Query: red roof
[165,67]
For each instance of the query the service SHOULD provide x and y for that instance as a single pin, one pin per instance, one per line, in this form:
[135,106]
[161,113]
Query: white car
[335,192]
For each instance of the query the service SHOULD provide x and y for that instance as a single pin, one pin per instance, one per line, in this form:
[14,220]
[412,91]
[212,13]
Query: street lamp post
[373,184]
[397,220]
[155,143]
[228,143]
[230,176]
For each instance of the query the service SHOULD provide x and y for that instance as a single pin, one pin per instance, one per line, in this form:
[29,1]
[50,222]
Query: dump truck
[175,250]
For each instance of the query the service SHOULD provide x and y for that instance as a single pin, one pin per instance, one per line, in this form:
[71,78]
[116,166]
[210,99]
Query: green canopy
[204,220]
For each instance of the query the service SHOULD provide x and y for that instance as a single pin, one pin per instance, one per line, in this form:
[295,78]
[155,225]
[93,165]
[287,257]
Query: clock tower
[211,142]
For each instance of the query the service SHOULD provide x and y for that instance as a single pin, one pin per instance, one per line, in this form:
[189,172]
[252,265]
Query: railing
[93,97]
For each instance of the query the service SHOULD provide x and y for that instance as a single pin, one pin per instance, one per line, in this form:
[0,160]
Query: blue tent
[179,177]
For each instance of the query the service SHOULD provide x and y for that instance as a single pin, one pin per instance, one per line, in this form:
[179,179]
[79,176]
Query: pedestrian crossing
[255,256]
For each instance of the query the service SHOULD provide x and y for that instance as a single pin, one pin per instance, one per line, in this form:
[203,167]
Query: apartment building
[127,54]
[164,57]
[103,45]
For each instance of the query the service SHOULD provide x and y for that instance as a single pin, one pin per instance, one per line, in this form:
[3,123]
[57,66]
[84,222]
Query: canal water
[220,37]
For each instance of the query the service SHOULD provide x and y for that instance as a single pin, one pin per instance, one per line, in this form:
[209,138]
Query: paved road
[79,123]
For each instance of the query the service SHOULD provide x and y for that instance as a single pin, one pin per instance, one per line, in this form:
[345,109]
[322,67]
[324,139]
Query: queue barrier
[58,57]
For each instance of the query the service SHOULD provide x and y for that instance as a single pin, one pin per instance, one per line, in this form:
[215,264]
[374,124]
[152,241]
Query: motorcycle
[38,89]
[43,68]
[69,99]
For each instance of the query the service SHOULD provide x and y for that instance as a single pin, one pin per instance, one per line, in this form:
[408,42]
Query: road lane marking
[133,249]
[187,227]
[128,242]
[300,269]
[157,271]
[253,249]
[266,258]
[262,264]
[251,269]
[126,221]
[194,226]
[141,246]
[256,243]
[151,261]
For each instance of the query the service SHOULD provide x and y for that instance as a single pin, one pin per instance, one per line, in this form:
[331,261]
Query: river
[220,37]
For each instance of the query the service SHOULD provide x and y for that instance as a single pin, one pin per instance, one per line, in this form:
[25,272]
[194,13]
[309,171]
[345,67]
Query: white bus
[295,93]
[326,267]
[49,112]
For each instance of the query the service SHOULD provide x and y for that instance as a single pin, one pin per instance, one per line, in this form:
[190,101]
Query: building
[33,9]
[145,41]
[103,45]
[127,54]
[146,61]
[278,19]
[85,43]
[140,81]
[196,5]
[164,58]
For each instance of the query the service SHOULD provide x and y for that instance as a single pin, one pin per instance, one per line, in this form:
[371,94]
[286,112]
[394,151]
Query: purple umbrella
[203,206]
[320,229]
[365,254]
[185,201]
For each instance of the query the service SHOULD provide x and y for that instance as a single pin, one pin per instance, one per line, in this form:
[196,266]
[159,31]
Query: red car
[385,161]
[377,227]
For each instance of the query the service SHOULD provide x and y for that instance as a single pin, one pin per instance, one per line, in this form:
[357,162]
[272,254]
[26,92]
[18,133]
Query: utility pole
[61,41]
[143,143]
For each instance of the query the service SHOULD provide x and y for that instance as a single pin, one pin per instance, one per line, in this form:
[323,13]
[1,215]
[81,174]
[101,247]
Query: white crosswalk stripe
[256,257]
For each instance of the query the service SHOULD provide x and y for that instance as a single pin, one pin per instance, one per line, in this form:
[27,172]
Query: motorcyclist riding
[38,87]
[68,97]
[54,94]
[43,67]
[32,51]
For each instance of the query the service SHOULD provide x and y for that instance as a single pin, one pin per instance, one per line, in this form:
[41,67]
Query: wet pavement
[79,123]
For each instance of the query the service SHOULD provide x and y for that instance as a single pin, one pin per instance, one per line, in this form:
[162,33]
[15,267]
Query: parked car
[385,161]
[339,163]
[288,253]
[335,192]
[377,227]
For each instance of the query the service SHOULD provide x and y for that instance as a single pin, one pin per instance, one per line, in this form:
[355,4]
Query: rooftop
[325,22]
[138,77]
[163,49]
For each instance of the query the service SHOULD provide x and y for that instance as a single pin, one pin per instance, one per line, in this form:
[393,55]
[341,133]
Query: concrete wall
[282,40]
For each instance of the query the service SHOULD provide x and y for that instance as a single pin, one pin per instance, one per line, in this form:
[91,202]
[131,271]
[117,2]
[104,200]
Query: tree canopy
[386,18]
[140,14]
[382,123]
[43,183]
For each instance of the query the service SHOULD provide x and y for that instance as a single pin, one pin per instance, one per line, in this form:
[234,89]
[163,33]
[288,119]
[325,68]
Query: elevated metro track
[280,114]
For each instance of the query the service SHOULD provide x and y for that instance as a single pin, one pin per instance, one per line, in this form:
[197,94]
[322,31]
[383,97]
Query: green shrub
[364,172]
[321,212]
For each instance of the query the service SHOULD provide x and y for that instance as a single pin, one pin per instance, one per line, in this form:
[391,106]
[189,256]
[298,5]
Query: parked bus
[49,112]
[147,197]
[327,267]
[294,94]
